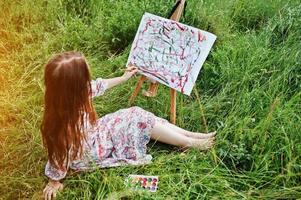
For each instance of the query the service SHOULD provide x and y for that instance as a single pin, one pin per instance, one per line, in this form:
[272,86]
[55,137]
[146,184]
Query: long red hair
[67,106]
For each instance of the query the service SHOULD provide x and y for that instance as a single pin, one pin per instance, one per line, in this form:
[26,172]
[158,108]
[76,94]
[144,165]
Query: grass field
[249,90]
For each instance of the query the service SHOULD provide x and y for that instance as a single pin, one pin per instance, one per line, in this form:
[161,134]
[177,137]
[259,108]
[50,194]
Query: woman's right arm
[129,72]
[100,85]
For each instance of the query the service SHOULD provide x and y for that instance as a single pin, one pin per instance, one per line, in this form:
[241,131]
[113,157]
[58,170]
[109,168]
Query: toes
[210,143]
[212,134]
[203,144]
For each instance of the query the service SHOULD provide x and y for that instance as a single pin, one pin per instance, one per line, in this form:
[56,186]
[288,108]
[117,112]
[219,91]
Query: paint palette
[142,182]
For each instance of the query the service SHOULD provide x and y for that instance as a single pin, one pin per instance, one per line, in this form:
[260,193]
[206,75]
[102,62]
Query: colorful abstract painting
[170,52]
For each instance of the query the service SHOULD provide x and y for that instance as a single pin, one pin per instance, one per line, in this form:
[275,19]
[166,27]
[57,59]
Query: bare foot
[201,135]
[202,144]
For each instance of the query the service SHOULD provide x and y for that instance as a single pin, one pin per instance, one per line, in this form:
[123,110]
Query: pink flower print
[141,125]
[129,153]
[126,149]
[117,120]
[100,151]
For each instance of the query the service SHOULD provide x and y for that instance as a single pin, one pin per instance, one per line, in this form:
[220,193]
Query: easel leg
[173,101]
[152,90]
[137,89]
[173,94]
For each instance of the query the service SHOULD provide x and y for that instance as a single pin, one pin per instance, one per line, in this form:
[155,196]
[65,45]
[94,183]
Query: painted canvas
[170,52]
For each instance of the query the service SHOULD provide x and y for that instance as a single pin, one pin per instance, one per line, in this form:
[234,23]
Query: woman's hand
[129,72]
[51,189]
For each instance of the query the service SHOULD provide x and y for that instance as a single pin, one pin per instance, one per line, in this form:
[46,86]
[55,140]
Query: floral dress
[116,139]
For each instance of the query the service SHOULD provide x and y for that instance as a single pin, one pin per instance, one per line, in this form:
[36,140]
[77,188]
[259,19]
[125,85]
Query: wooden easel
[152,90]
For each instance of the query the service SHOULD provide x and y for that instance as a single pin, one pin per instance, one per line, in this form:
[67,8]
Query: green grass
[249,90]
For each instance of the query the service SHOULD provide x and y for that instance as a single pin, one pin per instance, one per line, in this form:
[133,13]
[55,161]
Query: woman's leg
[164,133]
[185,132]
[191,134]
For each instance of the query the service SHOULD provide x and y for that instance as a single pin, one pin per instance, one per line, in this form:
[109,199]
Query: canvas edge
[205,55]
[210,45]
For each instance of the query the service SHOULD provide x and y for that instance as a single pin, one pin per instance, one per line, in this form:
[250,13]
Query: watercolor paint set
[142,182]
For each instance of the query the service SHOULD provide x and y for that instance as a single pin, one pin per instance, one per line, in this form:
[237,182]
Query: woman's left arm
[129,72]
[51,189]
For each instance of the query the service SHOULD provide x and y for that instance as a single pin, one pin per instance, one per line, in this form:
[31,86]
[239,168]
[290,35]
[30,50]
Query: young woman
[75,138]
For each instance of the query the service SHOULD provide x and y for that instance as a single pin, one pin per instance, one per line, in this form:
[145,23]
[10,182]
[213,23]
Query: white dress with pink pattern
[116,139]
